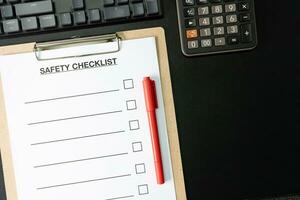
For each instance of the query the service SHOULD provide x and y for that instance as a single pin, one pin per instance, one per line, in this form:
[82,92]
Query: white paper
[70,131]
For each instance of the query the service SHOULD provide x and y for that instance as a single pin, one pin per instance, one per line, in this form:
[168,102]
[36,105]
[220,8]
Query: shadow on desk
[2,189]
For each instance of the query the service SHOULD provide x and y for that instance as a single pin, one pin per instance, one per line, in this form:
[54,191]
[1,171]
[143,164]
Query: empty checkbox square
[131,105]
[140,168]
[143,189]
[137,146]
[128,84]
[134,125]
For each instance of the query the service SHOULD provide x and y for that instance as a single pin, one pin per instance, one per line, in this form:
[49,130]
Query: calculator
[216,26]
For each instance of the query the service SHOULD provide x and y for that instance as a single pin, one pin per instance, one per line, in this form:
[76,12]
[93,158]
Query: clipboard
[117,38]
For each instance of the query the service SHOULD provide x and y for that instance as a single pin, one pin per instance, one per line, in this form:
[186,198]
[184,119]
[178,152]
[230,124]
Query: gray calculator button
[203,10]
[230,7]
[231,18]
[217,9]
[206,43]
[232,29]
[218,20]
[205,21]
[219,31]
[205,32]
[220,41]
[193,44]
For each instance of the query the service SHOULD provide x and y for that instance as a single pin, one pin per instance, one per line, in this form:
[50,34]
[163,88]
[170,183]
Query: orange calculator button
[192,33]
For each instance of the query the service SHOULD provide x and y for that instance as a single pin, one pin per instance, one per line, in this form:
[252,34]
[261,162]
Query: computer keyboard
[216,26]
[23,17]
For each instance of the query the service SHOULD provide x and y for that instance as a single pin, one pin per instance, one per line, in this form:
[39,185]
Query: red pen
[151,106]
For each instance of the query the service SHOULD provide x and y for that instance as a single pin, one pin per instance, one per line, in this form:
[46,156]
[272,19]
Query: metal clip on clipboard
[39,48]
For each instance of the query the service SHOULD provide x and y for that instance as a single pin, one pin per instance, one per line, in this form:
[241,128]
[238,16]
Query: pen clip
[154,93]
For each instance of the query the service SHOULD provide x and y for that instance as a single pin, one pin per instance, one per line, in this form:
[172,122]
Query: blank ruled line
[81,160]
[123,197]
[70,118]
[81,182]
[77,138]
[72,96]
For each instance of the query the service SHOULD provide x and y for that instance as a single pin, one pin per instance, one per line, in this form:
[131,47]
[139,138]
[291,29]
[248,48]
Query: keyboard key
[205,32]
[218,20]
[94,15]
[13,1]
[116,12]
[203,10]
[206,43]
[47,21]
[34,8]
[109,2]
[138,9]
[232,29]
[11,26]
[29,23]
[219,31]
[231,19]
[65,19]
[152,7]
[217,9]
[191,34]
[120,2]
[79,17]
[204,21]
[220,41]
[230,7]
[78,4]
[7,11]
[246,33]
[193,44]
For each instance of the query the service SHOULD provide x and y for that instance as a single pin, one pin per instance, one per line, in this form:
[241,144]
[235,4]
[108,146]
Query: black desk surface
[238,114]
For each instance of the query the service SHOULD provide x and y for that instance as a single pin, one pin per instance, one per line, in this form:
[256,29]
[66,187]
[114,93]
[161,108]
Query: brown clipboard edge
[162,53]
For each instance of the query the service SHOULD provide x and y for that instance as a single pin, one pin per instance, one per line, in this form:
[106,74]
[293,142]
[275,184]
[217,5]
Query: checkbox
[134,125]
[140,168]
[128,84]
[143,189]
[131,105]
[137,146]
